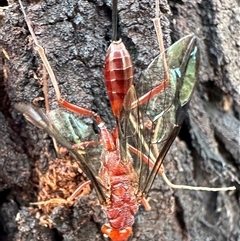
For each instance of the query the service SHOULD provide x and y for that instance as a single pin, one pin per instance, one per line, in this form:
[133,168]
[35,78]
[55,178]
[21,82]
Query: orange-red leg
[143,99]
[145,158]
[78,191]
[79,110]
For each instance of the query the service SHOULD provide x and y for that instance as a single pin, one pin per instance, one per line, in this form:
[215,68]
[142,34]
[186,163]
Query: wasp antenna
[114,20]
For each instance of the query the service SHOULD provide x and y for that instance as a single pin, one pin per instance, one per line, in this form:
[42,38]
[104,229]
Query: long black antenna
[114,19]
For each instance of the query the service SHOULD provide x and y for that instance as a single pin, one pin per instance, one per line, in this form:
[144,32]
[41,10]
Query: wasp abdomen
[118,75]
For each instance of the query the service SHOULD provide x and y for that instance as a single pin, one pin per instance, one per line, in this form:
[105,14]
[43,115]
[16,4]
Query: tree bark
[75,36]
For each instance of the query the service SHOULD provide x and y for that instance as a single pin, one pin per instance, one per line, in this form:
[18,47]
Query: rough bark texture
[75,35]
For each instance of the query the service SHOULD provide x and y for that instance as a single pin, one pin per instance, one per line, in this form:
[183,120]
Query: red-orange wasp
[148,118]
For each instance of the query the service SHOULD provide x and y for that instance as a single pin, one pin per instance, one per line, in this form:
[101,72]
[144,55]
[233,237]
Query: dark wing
[160,105]
[39,119]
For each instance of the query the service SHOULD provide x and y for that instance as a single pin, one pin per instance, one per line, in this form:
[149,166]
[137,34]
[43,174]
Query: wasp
[148,117]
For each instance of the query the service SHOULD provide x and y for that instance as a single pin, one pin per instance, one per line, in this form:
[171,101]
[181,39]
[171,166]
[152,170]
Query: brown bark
[75,35]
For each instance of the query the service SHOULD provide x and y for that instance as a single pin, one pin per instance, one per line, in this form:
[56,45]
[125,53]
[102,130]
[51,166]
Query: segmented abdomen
[118,75]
